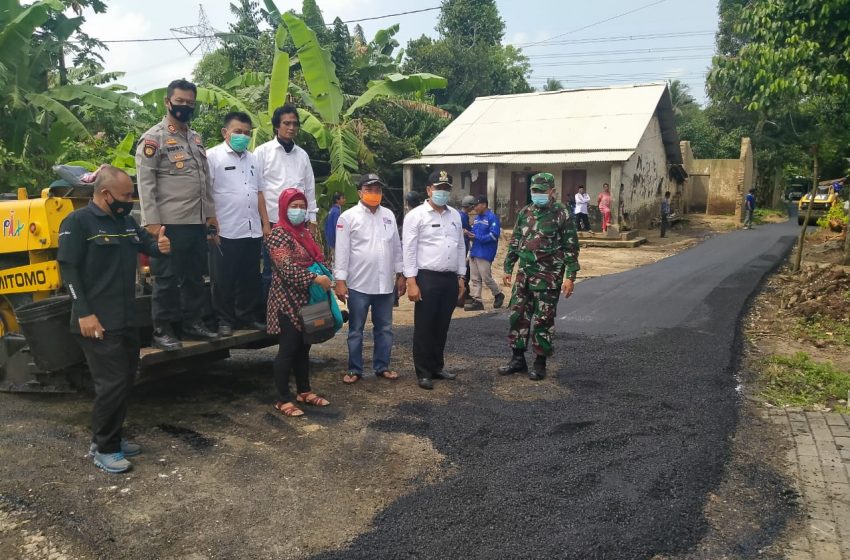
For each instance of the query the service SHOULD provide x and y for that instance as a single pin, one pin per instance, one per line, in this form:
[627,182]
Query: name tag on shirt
[231,168]
[436,225]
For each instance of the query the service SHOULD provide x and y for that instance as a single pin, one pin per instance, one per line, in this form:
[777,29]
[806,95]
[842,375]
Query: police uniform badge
[172,129]
[179,165]
[171,142]
[444,177]
[150,148]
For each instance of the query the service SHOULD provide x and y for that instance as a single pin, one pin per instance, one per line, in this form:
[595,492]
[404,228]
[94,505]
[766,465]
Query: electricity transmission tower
[203,32]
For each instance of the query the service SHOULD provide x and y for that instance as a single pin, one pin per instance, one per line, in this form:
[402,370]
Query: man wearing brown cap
[434,265]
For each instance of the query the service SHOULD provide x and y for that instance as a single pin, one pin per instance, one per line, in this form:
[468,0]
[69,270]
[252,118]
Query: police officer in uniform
[98,257]
[545,244]
[175,191]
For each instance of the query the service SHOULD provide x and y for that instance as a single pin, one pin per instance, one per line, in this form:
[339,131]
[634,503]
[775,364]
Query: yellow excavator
[37,351]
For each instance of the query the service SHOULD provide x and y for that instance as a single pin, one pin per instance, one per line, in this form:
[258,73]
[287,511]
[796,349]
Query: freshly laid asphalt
[621,463]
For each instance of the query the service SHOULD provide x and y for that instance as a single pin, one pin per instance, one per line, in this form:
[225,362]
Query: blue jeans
[382,333]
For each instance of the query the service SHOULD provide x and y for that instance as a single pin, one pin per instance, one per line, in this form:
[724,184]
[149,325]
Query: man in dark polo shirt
[98,256]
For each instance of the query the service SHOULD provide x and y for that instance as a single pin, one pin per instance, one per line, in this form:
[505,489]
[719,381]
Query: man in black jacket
[98,256]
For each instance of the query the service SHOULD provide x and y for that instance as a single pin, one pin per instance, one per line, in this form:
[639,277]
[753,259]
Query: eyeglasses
[288,124]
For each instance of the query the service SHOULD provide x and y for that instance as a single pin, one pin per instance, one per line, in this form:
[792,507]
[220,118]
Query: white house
[624,136]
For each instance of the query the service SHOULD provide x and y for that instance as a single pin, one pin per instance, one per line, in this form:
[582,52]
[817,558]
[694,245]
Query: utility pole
[808,217]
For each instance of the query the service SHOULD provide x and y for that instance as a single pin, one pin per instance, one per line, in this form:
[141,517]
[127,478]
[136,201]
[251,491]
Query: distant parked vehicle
[797,186]
[825,198]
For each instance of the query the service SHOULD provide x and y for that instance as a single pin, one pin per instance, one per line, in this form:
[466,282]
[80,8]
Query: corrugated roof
[589,120]
[522,158]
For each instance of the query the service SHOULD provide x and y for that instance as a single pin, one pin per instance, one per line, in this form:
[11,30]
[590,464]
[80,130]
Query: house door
[571,180]
[520,195]
[479,186]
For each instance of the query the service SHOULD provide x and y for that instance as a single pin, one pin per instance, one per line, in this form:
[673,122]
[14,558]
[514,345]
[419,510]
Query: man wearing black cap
[434,265]
[367,268]
[484,234]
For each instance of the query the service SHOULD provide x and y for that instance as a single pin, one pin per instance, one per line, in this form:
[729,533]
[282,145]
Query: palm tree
[680,94]
[553,85]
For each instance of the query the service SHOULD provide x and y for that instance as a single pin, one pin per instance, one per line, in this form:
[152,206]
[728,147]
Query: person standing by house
[98,255]
[467,207]
[284,164]
[368,271]
[665,213]
[243,223]
[485,233]
[175,190]
[330,222]
[545,246]
[749,209]
[582,200]
[434,266]
[604,203]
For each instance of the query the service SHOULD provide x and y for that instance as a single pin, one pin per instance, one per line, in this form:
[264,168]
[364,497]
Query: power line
[216,36]
[616,38]
[619,61]
[625,51]
[599,22]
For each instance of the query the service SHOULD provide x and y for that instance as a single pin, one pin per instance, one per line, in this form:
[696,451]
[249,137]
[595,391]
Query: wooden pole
[799,258]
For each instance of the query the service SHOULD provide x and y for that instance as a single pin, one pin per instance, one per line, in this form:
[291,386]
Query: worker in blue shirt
[332,219]
[484,235]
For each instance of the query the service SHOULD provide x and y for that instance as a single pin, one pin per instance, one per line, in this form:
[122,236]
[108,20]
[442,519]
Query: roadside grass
[799,380]
[824,329]
[767,215]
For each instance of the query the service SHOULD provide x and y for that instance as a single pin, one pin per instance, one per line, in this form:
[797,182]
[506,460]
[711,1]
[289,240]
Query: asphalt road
[621,462]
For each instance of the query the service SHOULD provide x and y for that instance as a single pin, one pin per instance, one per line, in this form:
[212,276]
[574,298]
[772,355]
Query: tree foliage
[469,54]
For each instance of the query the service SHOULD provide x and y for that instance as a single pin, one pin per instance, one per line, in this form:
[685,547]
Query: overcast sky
[605,52]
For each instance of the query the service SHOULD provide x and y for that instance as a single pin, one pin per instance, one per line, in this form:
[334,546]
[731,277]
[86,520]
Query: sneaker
[474,306]
[113,463]
[128,448]
[225,330]
[499,300]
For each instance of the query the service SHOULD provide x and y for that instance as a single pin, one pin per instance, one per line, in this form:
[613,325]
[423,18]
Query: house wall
[645,178]
[722,183]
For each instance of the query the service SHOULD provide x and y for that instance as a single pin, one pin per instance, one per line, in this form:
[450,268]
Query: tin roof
[597,124]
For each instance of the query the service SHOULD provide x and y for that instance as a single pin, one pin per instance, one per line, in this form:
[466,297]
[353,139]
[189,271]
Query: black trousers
[178,285]
[431,319]
[582,222]
[293,356]
[237,287]
[112,361]
[665,225]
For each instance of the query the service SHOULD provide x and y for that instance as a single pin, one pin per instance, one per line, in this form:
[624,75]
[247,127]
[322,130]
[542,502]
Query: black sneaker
[198,331]
[499,300]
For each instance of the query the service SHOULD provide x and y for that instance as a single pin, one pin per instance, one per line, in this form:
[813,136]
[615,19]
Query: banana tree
[37,117]
[335,127]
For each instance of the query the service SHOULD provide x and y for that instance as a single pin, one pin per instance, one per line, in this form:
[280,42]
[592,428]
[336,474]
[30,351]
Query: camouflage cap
[542,182]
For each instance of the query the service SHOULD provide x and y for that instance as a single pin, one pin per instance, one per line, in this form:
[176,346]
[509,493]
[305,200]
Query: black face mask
[182,113]
[287,144]
[119,208]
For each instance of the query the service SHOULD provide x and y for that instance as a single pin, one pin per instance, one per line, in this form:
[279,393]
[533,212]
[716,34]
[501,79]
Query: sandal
[288,409]
[351,378]
[387,374]
[312,399]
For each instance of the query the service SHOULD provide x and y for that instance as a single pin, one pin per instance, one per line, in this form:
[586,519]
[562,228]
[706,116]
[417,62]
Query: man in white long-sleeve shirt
[367,268]
[434,266]
[284,165]
[582,200]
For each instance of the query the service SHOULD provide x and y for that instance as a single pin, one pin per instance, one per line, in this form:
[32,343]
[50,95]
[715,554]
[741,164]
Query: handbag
[317,322]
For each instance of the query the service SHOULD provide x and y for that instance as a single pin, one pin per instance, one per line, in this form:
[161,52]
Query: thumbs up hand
[162,242]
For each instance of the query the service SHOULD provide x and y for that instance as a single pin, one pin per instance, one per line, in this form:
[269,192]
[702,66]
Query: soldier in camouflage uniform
[545,244]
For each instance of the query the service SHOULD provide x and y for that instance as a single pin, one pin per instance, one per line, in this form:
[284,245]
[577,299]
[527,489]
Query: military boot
[163,337]
[516,365]
[538,370]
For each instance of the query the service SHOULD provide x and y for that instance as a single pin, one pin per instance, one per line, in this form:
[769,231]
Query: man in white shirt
[242,224]
[367,267]
[284,165]
[582,199]
[434,266]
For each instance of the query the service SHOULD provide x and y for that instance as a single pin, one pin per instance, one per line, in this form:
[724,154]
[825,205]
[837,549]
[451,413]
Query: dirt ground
[223,476]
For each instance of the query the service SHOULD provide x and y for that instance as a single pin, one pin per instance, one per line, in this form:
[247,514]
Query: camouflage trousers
[539,306]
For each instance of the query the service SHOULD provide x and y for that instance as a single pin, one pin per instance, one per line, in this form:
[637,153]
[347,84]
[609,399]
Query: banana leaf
[279,84]
[61,113]
[395,85]
[318,69]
